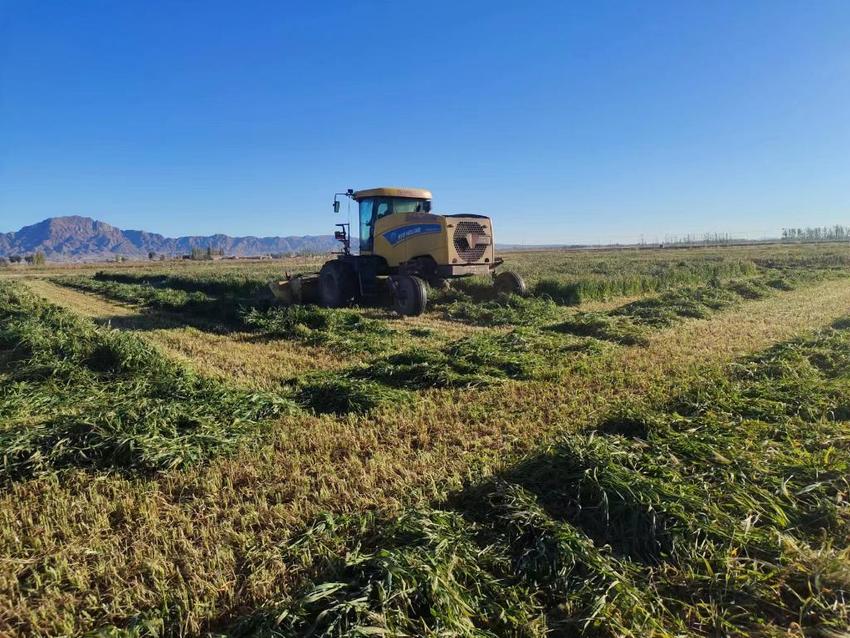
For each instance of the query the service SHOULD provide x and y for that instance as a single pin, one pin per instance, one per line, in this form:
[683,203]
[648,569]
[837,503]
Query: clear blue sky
[565,121]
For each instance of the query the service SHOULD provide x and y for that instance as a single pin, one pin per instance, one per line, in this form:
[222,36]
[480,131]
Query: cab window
[384,208]
[366,224]
[405,205]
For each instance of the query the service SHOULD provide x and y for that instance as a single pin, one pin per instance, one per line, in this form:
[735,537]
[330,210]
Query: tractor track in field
[85,305]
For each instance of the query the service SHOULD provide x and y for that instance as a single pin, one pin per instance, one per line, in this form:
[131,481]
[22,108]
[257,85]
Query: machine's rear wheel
[410,295]
[510,282]
[336,284]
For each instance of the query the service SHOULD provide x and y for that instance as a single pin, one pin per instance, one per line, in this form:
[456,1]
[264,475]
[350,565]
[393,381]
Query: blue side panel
[398,235]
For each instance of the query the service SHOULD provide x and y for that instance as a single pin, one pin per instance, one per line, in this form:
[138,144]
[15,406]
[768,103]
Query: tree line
[200,254]
[820,233]
[36,259]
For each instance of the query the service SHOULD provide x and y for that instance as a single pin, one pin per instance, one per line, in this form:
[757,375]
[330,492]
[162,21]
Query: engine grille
[465,251]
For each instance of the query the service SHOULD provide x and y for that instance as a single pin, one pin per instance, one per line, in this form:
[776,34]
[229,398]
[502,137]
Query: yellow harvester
[403,247]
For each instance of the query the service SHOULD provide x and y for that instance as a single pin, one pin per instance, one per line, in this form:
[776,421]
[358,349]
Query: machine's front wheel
[336,284]
[410,295]
[510,282]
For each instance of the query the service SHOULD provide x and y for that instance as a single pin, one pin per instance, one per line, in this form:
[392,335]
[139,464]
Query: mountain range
[76,238]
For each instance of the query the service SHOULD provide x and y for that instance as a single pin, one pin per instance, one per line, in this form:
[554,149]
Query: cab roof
[392,191]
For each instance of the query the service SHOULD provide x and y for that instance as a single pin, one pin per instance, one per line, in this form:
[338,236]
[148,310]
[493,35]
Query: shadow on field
[140,323]
[543,526]
[573,488]
[212,318]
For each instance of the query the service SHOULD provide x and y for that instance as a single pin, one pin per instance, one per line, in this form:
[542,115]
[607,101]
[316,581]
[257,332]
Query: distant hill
[76,238]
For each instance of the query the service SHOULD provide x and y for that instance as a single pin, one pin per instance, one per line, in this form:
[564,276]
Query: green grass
[341,330]
[224,296]
[76,395]
[682,303]
[219,284]
[142,294]
[630,323]
[576,277]
[476,360]
[502,311]
[688,287]
[336,394]
[475,301]
[600,325]
[591,278]
[195,306]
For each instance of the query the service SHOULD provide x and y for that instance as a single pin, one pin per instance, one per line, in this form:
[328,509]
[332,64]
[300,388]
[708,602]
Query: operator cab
[380,202]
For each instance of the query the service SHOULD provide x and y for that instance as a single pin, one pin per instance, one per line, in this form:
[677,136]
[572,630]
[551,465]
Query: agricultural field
[652,443]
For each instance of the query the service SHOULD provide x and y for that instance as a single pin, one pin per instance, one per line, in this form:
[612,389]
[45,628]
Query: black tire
[410,295]
[510,282]
[336,285]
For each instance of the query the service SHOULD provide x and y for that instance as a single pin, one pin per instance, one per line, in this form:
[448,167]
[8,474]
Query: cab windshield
[373,208]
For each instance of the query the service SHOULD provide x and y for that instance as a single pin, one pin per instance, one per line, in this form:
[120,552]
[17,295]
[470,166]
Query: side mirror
[336,205]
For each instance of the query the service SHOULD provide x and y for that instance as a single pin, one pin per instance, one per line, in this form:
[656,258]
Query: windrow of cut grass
[501,310]
[475,303]
[223,312]
[141,294]
[630,324]
[724,511]
[244,285]
[473,361]
[78,395]
[607,284]
[342,330]
[789,259]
